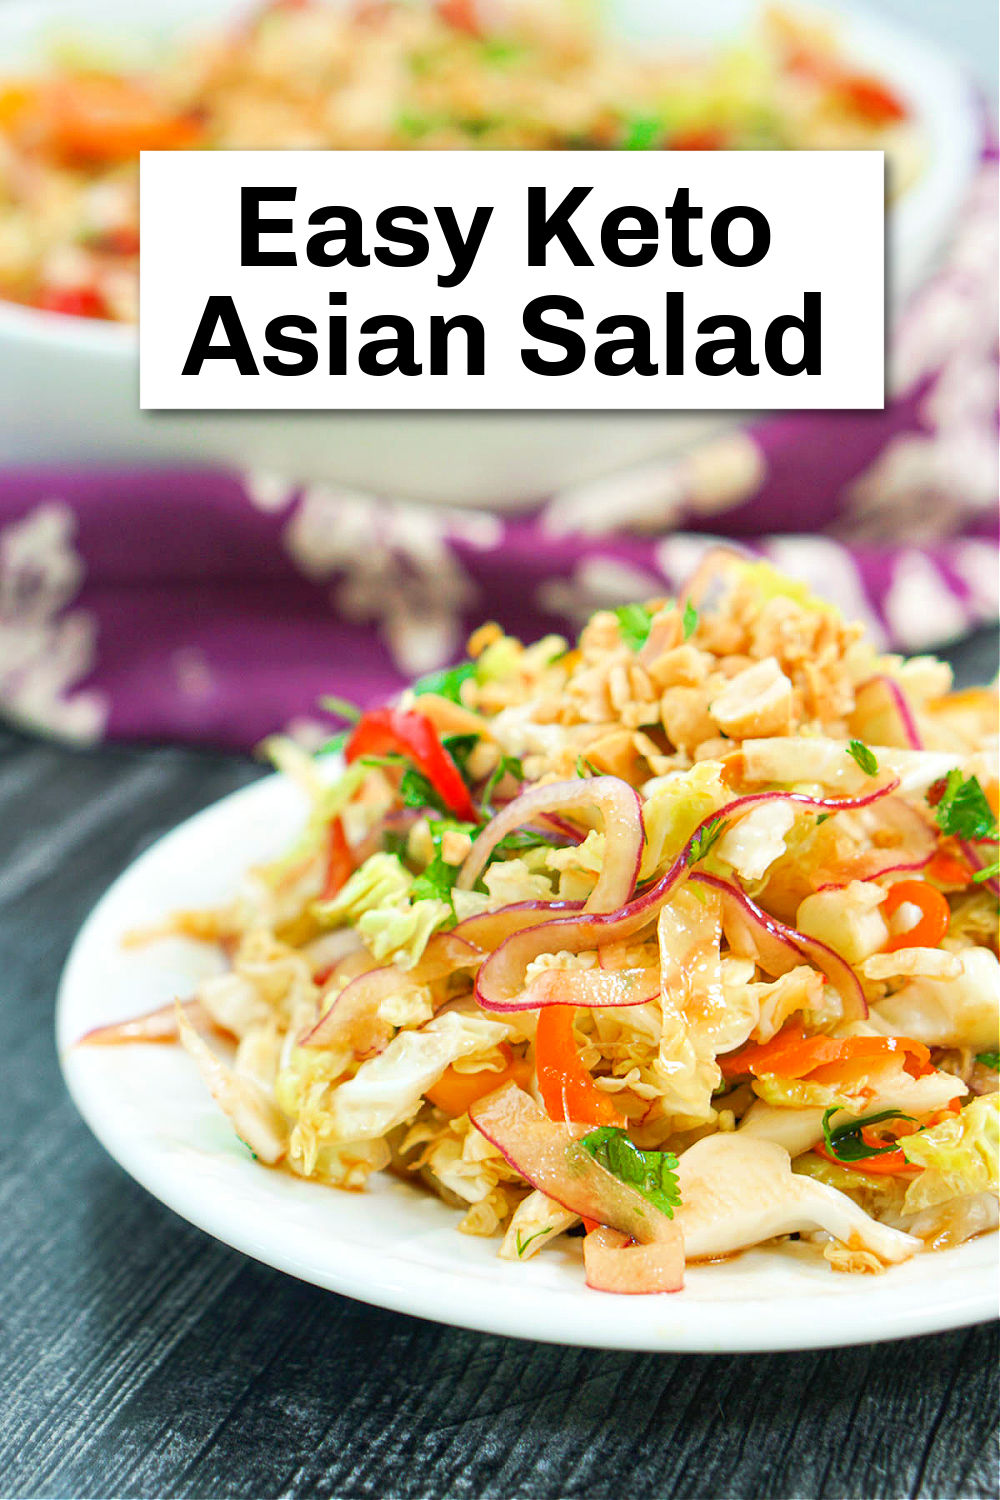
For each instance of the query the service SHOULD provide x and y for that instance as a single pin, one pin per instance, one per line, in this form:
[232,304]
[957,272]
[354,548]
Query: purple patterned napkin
[214,607]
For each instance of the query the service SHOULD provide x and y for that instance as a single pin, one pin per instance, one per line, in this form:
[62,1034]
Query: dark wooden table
[140,1358]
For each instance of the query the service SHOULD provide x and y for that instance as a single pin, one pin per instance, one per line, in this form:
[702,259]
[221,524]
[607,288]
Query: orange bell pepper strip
[825,1059]
[705,138]
[889,1164]
[339,861]
[396,731]
[454,1093]
[791,1054]
[101,118]
[568,1091]
[867,95]
[948,869]
[870,98]
[461,15]
[935,914]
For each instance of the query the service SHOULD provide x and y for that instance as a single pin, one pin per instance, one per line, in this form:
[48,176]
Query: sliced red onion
[548,1154]
[565,828]
[590,988]
[895,705]
[917,843]
[780,948]
[488,929]
[354,1018]
[620,807]
[613,1264]
[501,980]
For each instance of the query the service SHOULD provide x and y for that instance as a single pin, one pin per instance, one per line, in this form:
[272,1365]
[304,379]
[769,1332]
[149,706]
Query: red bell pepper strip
[568,1091]
[396,731]
[75,301]
[339,862]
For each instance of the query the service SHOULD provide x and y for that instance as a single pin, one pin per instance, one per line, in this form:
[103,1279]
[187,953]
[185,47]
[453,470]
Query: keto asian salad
[683,937]
[399,74]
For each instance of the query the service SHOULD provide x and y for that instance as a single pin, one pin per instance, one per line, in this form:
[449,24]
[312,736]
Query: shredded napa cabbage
[674,807]
[387,1090]
[376,899]
[959,1156]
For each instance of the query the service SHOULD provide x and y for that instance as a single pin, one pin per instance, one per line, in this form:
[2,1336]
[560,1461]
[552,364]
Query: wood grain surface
[140,1358]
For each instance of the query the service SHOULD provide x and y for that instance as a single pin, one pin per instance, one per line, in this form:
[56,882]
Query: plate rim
[438,1293]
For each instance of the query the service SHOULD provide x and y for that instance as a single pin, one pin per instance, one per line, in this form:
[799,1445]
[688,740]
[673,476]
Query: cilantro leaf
[335,744]
[460,747]
[340,708]
[863,757]
[963,809]
[634,621]
[437,881]
[643,133]
[989,1060]
[651,1173]
[705,838]
[585,768]
[690,620]
[507,765]
[447,683]
[416,791]
[846,1143]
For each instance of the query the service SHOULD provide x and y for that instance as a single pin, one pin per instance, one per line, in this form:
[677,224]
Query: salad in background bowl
[393,75]
[326,75]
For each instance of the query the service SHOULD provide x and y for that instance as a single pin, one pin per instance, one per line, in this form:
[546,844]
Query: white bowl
[69,386]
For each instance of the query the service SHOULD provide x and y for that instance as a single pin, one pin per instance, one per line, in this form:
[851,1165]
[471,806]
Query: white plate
[68,386]
[396,1246]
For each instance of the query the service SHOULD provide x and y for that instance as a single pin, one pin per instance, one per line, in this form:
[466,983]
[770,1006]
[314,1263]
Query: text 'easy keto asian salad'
[684,936]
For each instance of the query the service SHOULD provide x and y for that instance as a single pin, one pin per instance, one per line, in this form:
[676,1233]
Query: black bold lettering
[220,312]
[573,346]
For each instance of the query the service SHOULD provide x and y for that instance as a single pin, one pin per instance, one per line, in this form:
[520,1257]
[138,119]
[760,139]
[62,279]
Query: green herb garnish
[651,1173]
[340,708]
[416,791]
[335,744]
[460,747]
[988,872]
[501,50]
[634,621]
[643,133]
[846,1144]
[508,765]
[989,1060]
[585,768]
[704,839]
[437,881]
[690,620]
[864,757]
[963,810]
[522,1245]
[448,683]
